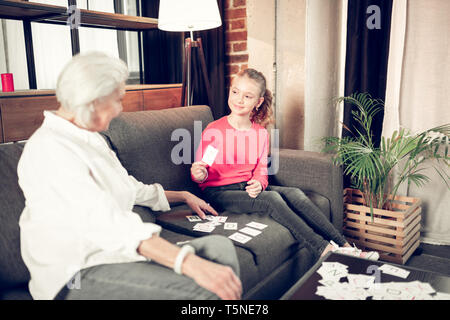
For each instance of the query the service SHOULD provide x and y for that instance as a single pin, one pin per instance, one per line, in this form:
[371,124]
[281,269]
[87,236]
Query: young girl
[237,180]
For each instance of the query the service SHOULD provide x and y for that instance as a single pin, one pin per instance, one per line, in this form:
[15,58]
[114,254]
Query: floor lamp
[190,16]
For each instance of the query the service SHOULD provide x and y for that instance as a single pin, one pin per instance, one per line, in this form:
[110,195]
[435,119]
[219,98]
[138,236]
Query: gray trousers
[149,280]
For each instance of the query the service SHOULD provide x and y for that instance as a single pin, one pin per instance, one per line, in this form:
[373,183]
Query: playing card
[239,237]
[193,218]
[256,225]
[250,231]
[394,271]
[230,226]
[361,286]
[210,155]
[204,227]
[221,219]
[360,280]
[332,272]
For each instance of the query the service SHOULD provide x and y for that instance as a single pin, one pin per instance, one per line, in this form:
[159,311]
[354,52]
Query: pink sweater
[242,154]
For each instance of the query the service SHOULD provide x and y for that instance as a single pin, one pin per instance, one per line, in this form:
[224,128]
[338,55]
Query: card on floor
[230,226]
[193,218]
[257,225]
[210,155]
[250,231]
[239,237]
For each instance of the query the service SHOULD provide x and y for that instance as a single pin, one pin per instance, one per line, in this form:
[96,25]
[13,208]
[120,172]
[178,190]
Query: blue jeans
[149,280]
[287,205]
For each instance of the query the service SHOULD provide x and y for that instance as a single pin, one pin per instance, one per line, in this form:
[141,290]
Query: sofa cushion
[143,144]
[13,271]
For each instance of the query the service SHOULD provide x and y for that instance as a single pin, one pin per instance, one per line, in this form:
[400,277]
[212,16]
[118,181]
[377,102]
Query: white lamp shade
[188,15]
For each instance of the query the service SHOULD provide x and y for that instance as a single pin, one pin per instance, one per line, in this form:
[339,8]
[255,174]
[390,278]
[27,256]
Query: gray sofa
[272,261]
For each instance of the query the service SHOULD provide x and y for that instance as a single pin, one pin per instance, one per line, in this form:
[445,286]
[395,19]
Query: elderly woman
[79,236]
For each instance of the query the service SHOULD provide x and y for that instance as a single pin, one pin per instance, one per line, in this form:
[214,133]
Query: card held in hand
[210,155]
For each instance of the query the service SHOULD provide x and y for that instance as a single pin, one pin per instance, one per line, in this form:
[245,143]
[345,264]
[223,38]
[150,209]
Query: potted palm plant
[375,216]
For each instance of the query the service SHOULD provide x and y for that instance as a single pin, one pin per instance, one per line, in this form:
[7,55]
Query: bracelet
[184,251]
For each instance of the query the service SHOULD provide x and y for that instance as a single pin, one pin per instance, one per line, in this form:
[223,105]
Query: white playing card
[230,226]
[239,237]
[210,155]
[394,271]
[221,219]
[250,231]
[193,218]
[257,225]
[204,227]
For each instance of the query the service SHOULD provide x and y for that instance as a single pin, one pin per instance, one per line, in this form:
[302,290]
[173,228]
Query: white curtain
[326,26]
[417,94]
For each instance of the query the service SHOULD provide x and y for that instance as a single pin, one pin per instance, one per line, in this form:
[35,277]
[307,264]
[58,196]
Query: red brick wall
[235,37]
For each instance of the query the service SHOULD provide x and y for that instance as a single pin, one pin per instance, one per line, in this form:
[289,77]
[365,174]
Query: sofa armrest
[312,171]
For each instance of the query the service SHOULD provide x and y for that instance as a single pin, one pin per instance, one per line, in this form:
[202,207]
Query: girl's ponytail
[263,115]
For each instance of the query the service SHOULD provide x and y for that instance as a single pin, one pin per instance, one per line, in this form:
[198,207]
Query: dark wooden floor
[430,257]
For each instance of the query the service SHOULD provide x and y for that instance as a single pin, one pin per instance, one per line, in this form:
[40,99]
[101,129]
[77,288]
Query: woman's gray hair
[86,78]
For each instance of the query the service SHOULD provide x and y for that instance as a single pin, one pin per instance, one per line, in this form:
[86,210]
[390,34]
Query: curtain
[368,34]
[163,51]
[163,59]
[367,55]
[416,96]
[324,69]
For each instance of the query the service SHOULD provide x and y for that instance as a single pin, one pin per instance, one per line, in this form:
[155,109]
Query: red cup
[7,82]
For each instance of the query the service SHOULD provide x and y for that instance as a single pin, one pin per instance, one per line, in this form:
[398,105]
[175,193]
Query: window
[52,44]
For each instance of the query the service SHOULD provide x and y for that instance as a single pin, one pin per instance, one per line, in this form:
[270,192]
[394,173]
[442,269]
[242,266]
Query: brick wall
[235,37]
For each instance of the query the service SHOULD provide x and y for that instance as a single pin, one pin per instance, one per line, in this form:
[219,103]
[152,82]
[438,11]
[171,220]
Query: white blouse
[78,206]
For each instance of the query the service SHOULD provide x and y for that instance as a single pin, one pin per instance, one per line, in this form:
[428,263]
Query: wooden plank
[162,98]
[22,116]
[364,227]
[364,236]
[412,216]
[378,247]
[410,243]
[133,101]
[413,225]
[387,213]
[386,222]
[410,251]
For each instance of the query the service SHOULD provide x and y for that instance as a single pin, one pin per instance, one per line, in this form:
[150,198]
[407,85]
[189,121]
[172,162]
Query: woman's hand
[199,205]
[253,188]
[217,278]
[199,171]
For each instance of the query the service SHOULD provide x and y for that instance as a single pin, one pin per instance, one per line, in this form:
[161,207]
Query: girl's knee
[293,192]
[270,196]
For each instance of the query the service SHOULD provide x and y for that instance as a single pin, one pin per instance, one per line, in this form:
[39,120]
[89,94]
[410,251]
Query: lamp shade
[188,15]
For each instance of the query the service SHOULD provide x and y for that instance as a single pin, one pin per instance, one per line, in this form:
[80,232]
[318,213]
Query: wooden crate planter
[394,234]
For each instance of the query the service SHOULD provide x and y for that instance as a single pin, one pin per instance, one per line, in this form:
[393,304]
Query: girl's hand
[199,205]
[217,278]
[253,188]
[199,171]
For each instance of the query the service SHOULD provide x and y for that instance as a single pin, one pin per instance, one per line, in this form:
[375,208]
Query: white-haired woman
[79,236]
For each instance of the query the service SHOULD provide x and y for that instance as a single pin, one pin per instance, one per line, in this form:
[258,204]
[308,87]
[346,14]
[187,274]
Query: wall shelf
[45,13]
